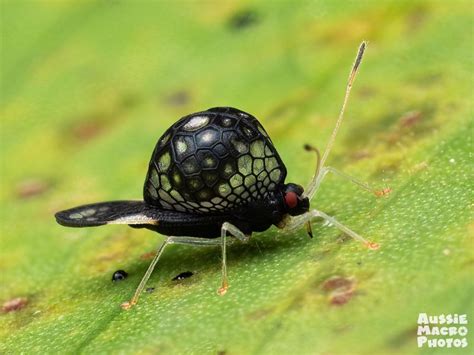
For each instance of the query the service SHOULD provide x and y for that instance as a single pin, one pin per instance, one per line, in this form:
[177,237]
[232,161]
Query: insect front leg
[305,219]
[328,169]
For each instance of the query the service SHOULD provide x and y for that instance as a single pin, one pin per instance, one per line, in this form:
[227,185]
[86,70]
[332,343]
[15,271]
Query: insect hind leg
[299,221]
[227,228]
[129,304]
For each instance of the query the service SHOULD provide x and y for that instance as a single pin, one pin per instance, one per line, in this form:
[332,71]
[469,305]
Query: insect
[119,275]
[216,174]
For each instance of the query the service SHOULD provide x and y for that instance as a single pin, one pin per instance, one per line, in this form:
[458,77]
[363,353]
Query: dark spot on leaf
[399,340]
[344,328]
[259,314]
[416,19]
[178,99]
[31,187]
[119,275]
[366,92]
[91,125]
[337,283]
[88,129]
[360,155]
[340,298]
[222,352]
[183,275]
[410,118]
[148,256]
[150,289]
[128,101]
[14,304]
[340,289]
[243,19]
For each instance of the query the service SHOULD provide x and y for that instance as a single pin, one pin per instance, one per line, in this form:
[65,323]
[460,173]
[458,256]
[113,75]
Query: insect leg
[297,222]
[328,169]
[236,232]
[141,286]
[226,228]
[169,240]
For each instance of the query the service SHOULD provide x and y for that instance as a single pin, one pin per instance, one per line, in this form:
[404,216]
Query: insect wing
[114,212]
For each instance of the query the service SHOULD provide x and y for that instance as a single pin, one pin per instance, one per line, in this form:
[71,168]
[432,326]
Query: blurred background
[88,87]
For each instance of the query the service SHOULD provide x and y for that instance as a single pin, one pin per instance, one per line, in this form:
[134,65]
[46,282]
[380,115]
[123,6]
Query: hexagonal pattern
[213,161]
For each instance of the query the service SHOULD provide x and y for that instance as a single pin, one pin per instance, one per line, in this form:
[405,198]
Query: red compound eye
[291,199]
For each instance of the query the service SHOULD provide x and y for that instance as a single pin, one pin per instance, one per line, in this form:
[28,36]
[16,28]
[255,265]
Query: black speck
[183,275]
[119,275]
[150,289]
[243,19]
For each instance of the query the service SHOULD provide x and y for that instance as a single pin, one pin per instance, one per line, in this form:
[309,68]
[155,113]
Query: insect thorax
[213,161]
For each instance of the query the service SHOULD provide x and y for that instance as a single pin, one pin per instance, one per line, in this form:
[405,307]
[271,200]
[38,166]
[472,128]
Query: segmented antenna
[355,67]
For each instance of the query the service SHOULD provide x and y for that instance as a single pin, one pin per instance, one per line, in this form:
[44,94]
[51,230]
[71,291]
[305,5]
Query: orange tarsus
[383,192]
[223,289]
[372,245]
[127,305]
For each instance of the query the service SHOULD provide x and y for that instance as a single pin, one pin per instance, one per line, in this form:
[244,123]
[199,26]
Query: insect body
[215,174]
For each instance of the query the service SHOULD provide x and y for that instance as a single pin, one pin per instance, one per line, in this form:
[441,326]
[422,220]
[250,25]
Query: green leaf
[87,89]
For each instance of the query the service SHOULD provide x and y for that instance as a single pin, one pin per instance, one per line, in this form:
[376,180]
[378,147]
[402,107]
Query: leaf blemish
[340,289]
[410,118]
[243,19]
[178,99]
[15,304]
[31,187]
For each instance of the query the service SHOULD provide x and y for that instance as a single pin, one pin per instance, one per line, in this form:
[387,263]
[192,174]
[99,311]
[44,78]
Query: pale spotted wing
[113,212]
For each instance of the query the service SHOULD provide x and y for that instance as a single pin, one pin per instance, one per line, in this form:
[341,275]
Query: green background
[87,88]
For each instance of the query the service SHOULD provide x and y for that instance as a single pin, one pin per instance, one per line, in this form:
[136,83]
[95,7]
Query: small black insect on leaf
[183,275]
[119,275]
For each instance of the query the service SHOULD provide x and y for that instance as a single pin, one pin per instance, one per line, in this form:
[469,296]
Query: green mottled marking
[268,151]
[245,165]
[166,197]
[257,149]
[224,189]
[270,163]
[250,181]
[152,192]
[258,166]
[176,195]
[275,175]
[165,183]
[164,162]
[236,180]
[177,179]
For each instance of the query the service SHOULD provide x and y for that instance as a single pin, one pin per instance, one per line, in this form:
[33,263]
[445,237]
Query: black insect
[183,275]
[119,275]
[213,174]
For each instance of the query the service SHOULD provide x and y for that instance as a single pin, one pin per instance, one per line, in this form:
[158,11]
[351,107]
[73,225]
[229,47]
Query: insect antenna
[313,185]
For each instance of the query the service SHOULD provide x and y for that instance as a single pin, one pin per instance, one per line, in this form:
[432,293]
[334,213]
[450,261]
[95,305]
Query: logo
[442,331]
